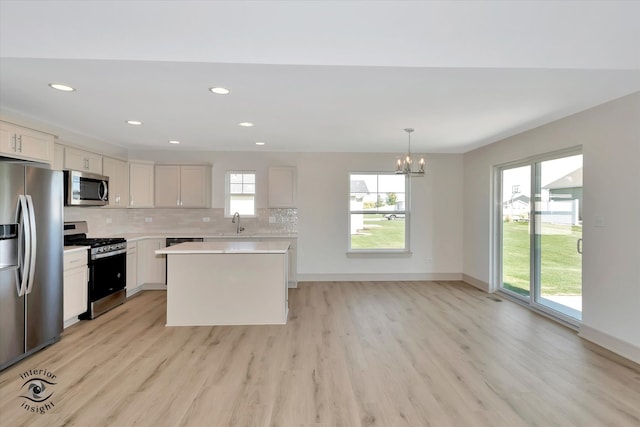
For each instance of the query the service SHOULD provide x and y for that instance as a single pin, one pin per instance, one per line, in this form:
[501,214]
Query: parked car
[394,216]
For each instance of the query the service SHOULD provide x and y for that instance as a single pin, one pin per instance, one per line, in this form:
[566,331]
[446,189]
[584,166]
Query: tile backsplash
[108,222]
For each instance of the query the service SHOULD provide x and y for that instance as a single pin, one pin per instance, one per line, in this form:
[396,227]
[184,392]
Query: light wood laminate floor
[352,354]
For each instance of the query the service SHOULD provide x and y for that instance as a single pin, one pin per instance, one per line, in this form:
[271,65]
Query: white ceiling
[314,75]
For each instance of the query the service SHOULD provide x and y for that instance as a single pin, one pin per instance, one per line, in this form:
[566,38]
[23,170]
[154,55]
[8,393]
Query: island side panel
[226,289]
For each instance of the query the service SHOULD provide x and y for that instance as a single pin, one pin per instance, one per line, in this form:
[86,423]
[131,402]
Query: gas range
[75,234]
[107,268]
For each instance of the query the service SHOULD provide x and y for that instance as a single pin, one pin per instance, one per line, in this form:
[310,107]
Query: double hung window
[378,212]
[240,193]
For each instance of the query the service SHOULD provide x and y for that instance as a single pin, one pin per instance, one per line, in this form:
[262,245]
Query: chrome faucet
[236,216]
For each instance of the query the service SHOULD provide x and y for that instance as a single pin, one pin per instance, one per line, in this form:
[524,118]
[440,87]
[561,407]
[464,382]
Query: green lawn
[379,233]
[560,262]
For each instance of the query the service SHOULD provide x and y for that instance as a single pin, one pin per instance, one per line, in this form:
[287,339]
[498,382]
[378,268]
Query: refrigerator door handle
[24,252]
[34,242]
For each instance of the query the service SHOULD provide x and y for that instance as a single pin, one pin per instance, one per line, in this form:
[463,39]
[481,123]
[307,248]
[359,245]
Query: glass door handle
[579,246]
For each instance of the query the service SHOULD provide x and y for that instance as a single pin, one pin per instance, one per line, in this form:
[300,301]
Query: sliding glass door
[516,230]
[540,231]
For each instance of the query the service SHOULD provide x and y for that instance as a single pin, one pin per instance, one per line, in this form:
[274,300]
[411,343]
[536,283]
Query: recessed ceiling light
[134,122]
[220,90]
[245,124]
[259,143]
[61,87]
[173,141]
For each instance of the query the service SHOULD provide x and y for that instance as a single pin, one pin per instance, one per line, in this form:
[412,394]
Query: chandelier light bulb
[404,164]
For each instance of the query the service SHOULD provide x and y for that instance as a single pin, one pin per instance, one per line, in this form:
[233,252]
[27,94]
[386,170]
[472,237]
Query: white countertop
[133,237]
[69,249]
[228,247]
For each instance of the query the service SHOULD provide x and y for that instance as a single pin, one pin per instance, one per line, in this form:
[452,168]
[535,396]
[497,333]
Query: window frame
[407,218]
[228,194]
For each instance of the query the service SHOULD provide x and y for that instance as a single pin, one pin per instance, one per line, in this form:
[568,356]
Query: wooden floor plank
[351,354]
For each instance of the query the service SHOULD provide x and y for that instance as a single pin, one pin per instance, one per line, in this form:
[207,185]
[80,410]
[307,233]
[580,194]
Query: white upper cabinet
[26,144]
[58,157]
[141,182]
[81,160]
[183,186]
[282,187]
[167,186]
[118,173]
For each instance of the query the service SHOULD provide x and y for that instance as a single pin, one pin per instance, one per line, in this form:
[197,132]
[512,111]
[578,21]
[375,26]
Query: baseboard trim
[70,322]
[154,287]
[132,291]
[616,345]
[378,277]
[477,283]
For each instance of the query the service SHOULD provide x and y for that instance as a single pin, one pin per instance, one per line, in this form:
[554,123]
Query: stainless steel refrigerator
[31,254]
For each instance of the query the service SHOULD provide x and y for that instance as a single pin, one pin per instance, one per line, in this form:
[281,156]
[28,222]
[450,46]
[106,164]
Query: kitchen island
[227,283]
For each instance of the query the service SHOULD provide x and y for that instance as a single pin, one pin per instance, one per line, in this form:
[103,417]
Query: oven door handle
[108,254]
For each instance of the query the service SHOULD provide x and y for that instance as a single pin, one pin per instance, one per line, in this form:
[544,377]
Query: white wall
[610,137]
[323,201]
[436,209]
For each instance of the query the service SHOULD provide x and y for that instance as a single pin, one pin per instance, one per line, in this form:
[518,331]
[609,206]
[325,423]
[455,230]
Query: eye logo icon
[37,390]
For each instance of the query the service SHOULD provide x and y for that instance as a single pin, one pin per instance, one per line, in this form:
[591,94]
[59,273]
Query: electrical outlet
[148,219]
[206,219]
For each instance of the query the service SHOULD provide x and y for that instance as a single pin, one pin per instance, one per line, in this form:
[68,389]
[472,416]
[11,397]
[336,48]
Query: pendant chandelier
[404,164]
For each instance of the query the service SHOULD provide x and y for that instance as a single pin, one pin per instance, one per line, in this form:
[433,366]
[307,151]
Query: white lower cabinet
[75,285]
[292,277]
[293,263]
[151,272]
[132,269]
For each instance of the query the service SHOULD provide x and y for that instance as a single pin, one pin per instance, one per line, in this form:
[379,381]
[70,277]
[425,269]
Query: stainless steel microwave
[85,189]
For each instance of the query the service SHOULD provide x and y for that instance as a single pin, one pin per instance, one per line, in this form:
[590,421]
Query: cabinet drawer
[75,259]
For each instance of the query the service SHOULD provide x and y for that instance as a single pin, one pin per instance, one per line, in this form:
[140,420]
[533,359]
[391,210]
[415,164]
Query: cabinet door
[58,157]
[141,185]
[194,186]
[167,186]
[7,139]
[282,187]
[293,264]
[82,160]
[132,268]
[75,292]
[158,264]
[23,143]
[151,267]
[95,162]
[35,145]
[118,173]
